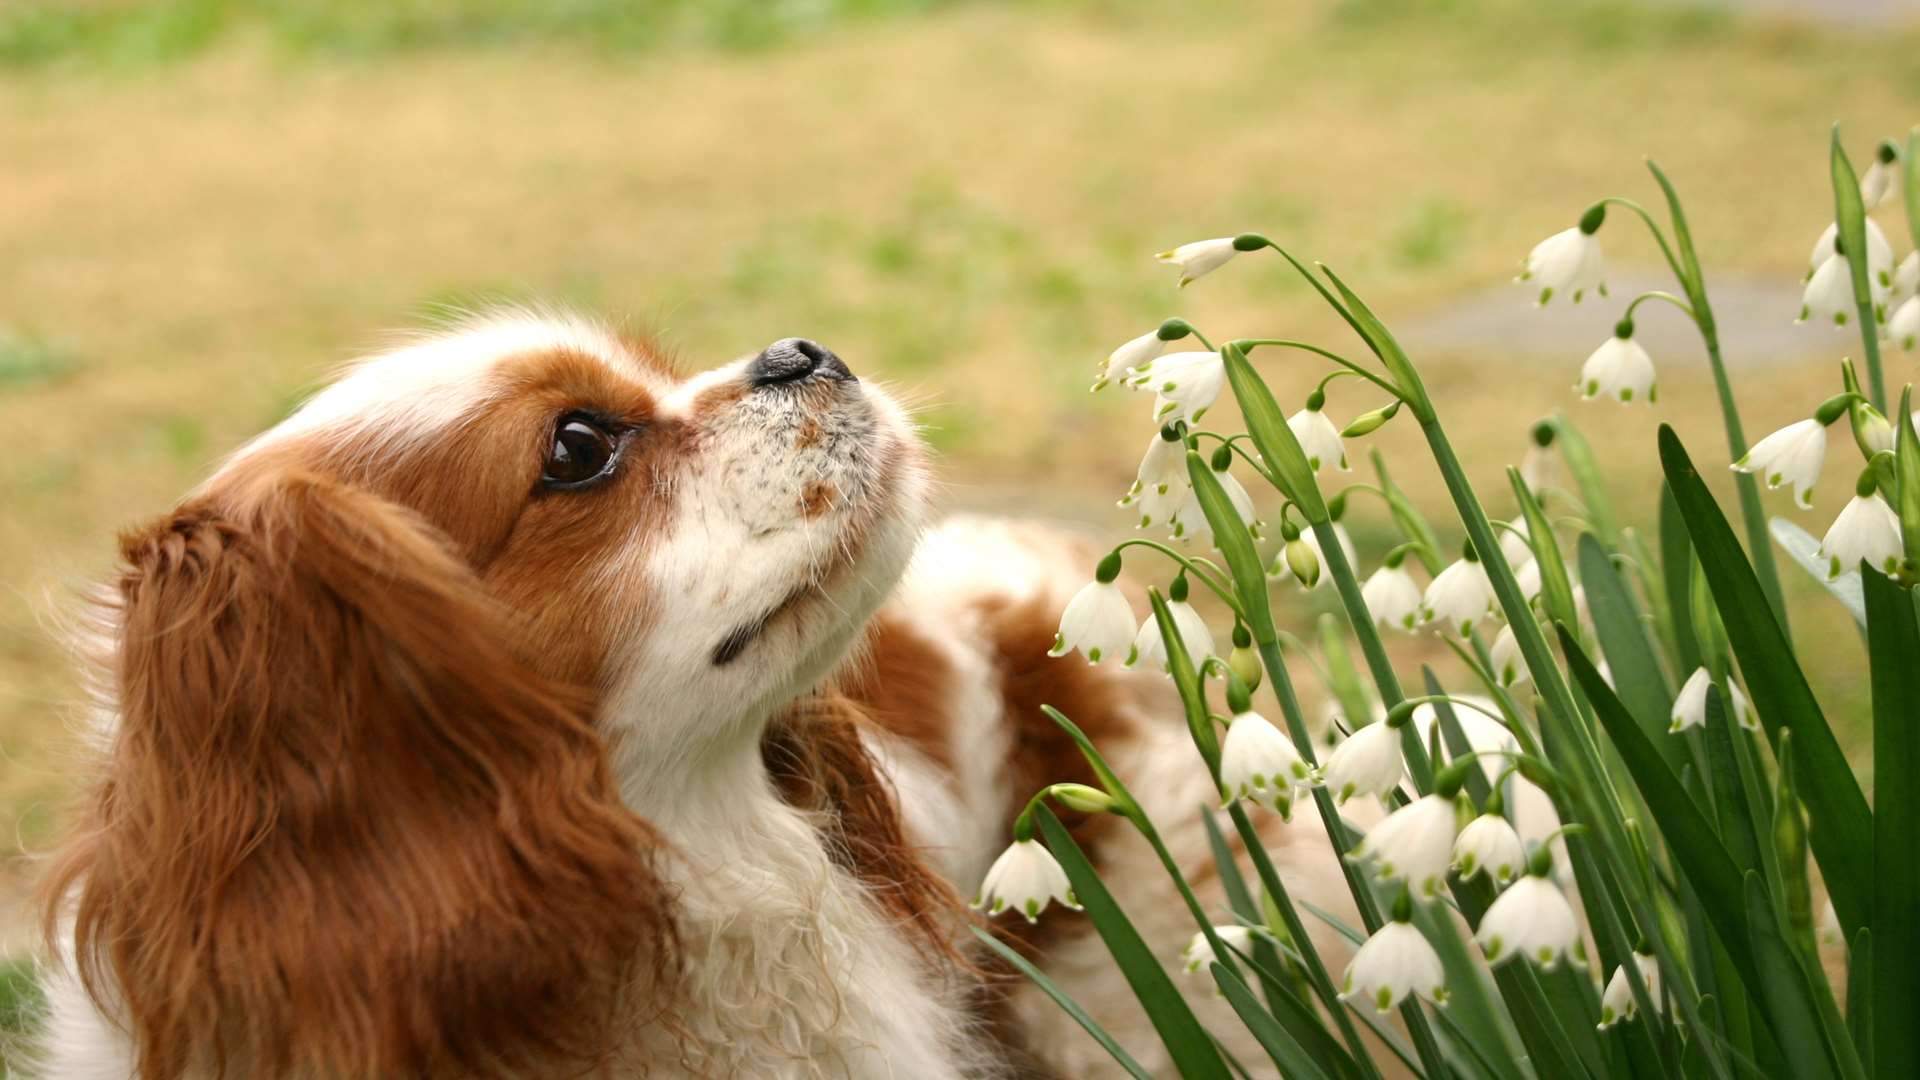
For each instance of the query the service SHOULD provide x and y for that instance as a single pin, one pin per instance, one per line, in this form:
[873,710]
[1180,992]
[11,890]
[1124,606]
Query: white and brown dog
[519,707]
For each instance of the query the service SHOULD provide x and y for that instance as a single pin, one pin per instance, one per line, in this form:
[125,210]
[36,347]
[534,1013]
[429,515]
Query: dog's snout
[794,359]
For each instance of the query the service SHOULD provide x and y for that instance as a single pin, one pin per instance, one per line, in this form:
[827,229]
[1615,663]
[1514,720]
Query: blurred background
[207,205]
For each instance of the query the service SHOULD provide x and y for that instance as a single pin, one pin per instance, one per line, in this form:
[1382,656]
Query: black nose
[793,359]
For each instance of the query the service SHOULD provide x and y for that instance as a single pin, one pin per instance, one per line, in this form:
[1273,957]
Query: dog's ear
[343,829]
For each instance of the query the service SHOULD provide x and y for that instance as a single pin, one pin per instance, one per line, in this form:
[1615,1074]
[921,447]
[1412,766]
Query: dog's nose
[794,359]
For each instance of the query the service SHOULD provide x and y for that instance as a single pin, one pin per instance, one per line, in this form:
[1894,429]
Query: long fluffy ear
[343,829]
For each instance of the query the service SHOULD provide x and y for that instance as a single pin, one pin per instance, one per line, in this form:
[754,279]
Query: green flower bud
[1087,800]
[1302,561]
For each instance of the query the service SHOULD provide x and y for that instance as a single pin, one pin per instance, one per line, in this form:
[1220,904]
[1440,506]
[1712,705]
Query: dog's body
[520,708]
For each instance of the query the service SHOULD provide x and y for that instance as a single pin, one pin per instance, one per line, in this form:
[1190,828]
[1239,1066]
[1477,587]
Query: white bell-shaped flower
[1791,456]
[1618,369]
[1532,919]
[1882,178]
[1150,648]
[1129,358]
[1880,269]
[1906,278]
[1393,597]
[1396,961]
[1160,487]
[1618,1002]
[1098,621]
[1186,384]
[1199,955]
[1828,297]
[1690,704]
[1509,667]
[1567,263]
[1025,878]
[1528,578]
[1903,328]
[1489,844]
[1516,543]
[1199,258]
[1368,762]
[1259,763]
[1867,529]
[1458,597]
[1319,439]
[1414,844]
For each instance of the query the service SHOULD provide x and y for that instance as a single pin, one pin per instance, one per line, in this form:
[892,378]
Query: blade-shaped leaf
[1842,825]
[1267,427]
[1067,1004]
[1893,641]
[1630,656]
[1279,1044]
[1676,568]
[1783,987]
[1187,1043]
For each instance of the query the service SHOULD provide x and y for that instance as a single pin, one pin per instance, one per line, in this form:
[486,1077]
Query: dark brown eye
[582,452]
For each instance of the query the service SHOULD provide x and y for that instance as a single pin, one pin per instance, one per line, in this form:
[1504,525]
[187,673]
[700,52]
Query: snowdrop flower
[1568,261]
[1025,878]
[1130,357]
[1392,595]
[1187,383]
[1618,1003]
[1368,763]
[1879,256]
[1791,456]
[1490,845]
[1690,704]
[1903,329]
[1098,620]
[1538,467]
[1150,649]
[1866,529]
[1881,177]
[1161,484]
[1528,578]
[1906,277]
[1200,258]
[1828,296]
[1459,596]
[1509,667]
[1199,954]
[1742,708]
[1532,919]
[1876,433]
[1396,961]
[1259,763]
[1318,437]
[1414,843]
[1516,543]
[1619,368]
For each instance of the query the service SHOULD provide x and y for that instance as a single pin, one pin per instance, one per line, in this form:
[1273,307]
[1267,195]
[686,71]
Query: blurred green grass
[210,203]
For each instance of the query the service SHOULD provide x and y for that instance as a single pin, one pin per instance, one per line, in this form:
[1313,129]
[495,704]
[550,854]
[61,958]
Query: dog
[519,706]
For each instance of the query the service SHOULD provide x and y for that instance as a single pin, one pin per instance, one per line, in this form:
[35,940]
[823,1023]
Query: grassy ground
[208,204]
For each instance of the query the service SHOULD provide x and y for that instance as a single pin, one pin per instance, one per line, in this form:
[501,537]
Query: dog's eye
[582,452]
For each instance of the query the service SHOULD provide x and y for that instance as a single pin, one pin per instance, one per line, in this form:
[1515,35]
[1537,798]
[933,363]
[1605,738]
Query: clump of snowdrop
[1150,649]
[1201,257]
[1025,878]
[1568,262]
[1532,918]
[1619,369]
[1867,530]
[1199,956]
[1392,596]
[1396,961]
[1260,764]
[1319,438]
[1368,762]
[1160,487]
[1618,1002]
[1459,596]
[1098,620]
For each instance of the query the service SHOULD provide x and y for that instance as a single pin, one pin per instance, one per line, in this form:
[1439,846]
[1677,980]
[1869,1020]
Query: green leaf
[1804,549]
[1842,825]
[1187,682]
[1636,670]
[1676,570]
[1187,1043]
[1906,467]
[1235,542]
[1860,997]
[1067,1004]
[1288,1054]
[1578,454]
[1893,648]
[1267,427]
[1782,985]
[1413,524]
[1556,590]
[1266,958]
[1850,214]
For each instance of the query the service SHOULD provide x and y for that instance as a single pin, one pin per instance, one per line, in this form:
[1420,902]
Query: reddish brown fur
[344,829]
[905,683]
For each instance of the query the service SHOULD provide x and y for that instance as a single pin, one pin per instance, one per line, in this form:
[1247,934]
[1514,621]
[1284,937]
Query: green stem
[1198,567]
[1870,341]
[1248,344]
[1752,516]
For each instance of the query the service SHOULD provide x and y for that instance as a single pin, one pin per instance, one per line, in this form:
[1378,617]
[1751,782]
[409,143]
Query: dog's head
[367,677]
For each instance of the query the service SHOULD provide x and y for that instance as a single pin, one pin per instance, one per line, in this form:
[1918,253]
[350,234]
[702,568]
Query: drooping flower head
[1391,594]
[1319,439]
[1882,177]
[1791,457]
[1490,845]
[1025,878]
[1160,487]
[1618,1002]
[1150,647]
[1186,384]
[1459,596]
[1867,530]
[1532,918]
[1568,262]
[1098,620]
[1367,762]
[1396,961]
[1619,369]
[1199,956]
[1260,764]
[1129,357]
[1199,258]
